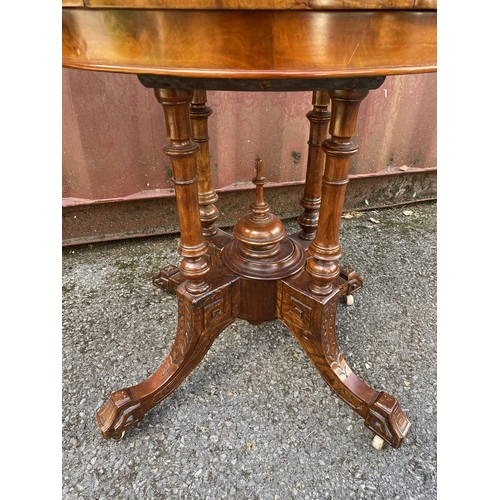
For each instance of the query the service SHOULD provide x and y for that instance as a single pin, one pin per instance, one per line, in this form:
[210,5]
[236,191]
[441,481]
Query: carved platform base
[169,278]
[310,318]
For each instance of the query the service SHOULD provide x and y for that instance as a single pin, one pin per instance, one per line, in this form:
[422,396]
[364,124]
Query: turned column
[182,150]
[207,196]
[319,117]
[325,250]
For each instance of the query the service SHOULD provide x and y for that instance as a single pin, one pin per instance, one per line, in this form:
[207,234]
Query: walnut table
[337,49]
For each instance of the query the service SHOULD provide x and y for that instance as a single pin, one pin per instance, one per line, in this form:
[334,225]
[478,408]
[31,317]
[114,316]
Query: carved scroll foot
[120,413]
[386,419]
[170,277]
[311,319]
[348,281]
[201,319]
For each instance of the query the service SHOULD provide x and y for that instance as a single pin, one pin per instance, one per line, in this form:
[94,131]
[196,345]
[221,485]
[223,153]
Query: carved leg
[170,277]
[311,319]
[206,306]
[307,304]
[201,319]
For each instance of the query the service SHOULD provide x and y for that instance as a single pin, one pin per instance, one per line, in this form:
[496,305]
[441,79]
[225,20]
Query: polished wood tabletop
[261,39]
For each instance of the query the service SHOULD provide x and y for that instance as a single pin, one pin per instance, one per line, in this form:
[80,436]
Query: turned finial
[260,248]
[259,208]
[259,231]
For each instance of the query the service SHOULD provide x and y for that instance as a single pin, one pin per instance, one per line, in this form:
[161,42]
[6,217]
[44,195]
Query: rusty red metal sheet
[114,131]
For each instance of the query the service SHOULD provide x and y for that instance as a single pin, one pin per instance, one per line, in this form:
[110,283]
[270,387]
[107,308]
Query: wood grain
[259,4]
[250,44]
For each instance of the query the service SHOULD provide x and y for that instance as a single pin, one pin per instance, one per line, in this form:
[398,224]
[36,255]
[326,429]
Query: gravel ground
[254,420]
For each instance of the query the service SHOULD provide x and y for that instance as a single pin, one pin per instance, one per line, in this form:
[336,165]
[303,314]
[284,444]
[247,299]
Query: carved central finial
[259,207]
[260,231]
[260,248]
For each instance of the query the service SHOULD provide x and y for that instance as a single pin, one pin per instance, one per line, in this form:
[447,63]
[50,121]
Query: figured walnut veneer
[265,45]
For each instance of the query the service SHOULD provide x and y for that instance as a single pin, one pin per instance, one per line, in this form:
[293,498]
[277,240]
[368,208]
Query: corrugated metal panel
[114,131]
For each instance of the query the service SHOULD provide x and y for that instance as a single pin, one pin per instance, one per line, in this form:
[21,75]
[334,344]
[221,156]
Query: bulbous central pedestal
[260,236]
[261,248]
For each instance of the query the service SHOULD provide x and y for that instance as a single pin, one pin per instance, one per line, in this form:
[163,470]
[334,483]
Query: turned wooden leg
[181,149]
[325,250]
[202,318]
[311,319]
[319,119]
[207,196]
[206,192]
[170,277]
[348,280]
